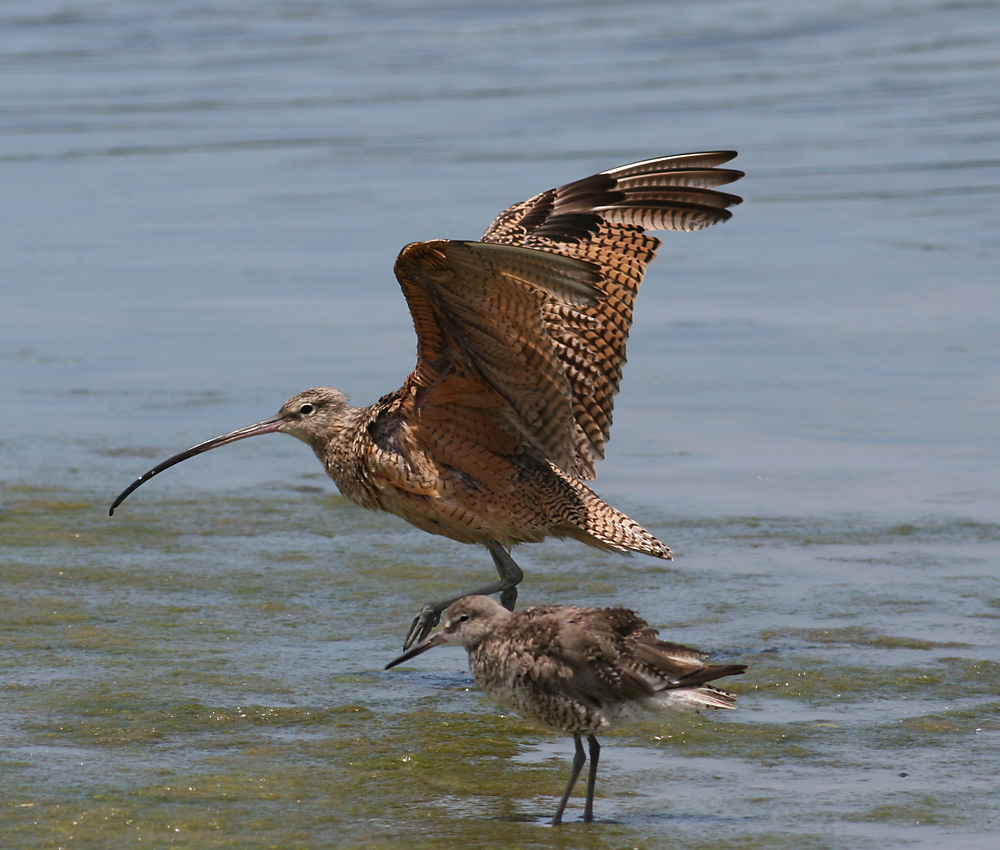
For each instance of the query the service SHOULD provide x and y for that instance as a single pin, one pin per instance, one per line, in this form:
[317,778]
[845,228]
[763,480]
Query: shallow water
[201,206]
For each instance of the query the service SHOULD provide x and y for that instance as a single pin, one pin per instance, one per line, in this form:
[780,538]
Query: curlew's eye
[307,408]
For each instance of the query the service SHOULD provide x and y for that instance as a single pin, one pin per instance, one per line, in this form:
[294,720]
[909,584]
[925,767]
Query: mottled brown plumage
[577,670]
[520,347]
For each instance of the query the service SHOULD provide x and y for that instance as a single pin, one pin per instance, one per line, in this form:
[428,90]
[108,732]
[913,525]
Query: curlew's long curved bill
[419,649]
[266,426]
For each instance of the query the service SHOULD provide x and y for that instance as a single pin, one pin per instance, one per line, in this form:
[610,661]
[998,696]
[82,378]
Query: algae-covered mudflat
[174,680]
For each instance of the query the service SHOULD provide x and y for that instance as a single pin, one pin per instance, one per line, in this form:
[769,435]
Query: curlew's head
[313,416]
[467,623]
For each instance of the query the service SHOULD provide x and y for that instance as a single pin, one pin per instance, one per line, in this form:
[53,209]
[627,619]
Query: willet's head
[467,623]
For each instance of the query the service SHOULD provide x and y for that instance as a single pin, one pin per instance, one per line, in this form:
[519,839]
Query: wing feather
[477,310]
[608,656]
[539,312]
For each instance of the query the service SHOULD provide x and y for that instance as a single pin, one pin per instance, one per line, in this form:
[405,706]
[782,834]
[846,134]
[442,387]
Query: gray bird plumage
[577,670]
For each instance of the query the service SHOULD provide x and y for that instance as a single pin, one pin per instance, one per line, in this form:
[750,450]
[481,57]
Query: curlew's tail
[597,524]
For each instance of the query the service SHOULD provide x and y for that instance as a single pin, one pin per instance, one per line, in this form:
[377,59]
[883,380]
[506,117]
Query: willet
[577,670]
[520,347]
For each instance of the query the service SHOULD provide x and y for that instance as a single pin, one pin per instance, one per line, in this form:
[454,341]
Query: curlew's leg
[595,754]
[510,576]
[578,761]
[509,572]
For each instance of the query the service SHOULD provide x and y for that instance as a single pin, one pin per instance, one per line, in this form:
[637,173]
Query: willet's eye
[307,408]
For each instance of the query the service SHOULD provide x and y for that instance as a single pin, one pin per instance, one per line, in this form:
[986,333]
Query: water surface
[201,207]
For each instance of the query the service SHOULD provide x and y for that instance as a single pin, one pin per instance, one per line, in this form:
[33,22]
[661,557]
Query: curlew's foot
[509,598]
[510,576]
[422,624]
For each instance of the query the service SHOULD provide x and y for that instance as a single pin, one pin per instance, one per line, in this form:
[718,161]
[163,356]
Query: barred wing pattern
[528,327]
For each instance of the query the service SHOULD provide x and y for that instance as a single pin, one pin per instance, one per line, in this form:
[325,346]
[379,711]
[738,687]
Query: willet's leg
[510,576]
[578,761]
[595,754]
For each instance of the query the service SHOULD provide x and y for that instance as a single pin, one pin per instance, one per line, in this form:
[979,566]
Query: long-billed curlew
[577,670]
[520,347]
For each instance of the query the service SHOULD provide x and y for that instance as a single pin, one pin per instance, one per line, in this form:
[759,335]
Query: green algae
[915,809]
[855,636]
[209,676]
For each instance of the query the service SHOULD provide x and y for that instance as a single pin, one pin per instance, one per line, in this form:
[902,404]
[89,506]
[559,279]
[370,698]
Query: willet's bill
[577,670]
[520,347]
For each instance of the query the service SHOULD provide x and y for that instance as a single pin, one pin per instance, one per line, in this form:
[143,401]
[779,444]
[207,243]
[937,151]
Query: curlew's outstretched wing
[526,330]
